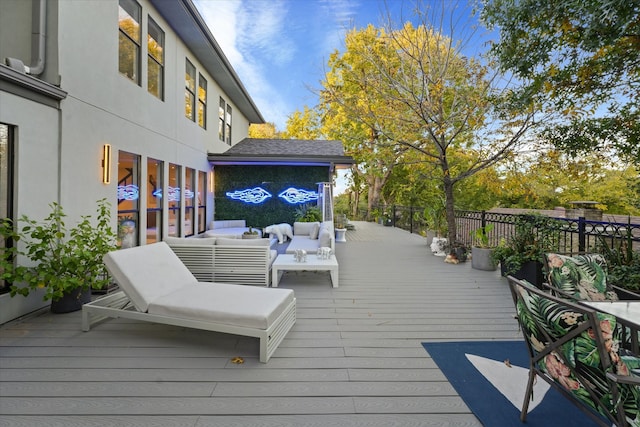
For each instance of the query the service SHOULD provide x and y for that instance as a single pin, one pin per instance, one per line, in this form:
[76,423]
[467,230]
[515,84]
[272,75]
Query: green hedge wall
[273,179]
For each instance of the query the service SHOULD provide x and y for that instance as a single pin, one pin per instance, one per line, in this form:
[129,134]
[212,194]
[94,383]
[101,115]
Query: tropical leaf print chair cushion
[581,277]
[573,348]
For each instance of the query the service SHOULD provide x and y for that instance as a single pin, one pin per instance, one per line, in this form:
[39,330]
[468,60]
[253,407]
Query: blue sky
[279,48]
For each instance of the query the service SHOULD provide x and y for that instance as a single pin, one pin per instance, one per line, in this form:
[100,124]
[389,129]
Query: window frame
[190,91]
[202,101]
[129,6]
[228,124]
[222,107]
[152,60]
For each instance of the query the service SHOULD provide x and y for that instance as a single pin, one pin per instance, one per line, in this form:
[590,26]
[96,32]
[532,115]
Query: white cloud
[247,33]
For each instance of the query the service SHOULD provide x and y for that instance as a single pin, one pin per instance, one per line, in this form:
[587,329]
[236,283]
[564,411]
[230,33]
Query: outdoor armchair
[572,348]
[584,278]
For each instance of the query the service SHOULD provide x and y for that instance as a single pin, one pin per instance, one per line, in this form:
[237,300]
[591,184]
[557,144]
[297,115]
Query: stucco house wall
[59,139]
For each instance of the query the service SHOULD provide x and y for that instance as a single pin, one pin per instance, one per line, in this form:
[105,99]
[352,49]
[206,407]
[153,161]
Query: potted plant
[308,213]
[623,265]
[250,234]
[435,215]
[65,262]
[521,254]
[481,250]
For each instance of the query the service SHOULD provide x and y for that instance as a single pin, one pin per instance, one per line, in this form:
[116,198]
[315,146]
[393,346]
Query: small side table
[341,234]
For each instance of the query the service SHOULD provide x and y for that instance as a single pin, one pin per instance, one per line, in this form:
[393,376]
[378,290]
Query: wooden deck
[354,357]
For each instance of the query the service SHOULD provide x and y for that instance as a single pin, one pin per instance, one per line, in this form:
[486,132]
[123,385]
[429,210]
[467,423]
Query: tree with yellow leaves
[410,93]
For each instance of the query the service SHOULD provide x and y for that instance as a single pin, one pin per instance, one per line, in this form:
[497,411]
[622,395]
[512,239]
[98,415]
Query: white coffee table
[286,262]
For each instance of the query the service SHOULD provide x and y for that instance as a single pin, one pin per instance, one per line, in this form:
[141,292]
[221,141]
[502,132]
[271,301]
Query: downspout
[38,38]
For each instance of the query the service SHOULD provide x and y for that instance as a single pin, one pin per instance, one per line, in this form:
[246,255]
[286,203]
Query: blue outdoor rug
[495,391]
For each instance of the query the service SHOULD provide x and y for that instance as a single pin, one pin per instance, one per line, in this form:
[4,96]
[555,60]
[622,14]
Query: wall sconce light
[106,163]
[211,183]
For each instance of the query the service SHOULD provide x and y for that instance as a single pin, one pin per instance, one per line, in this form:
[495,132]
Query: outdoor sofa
[228,260]
[229,228]
[310,236]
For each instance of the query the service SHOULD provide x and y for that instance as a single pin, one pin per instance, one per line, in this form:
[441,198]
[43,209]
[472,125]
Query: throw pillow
[325,238]
[314,231]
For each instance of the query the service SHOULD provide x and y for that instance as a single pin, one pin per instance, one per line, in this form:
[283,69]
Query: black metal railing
[573,235]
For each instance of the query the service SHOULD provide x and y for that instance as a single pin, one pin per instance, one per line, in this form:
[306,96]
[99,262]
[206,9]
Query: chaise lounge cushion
[224,303]
[146,273]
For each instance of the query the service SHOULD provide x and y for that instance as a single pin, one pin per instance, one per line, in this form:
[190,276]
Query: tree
[412,90]
[303,125]
[263,131]
[581,56]
[347,100]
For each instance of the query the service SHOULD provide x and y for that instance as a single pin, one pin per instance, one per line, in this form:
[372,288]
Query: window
[202,202]
[202,102]
[6,185]
[190,91]
[155,60]
[224,125]
[173,197]
[128,199]
[227,133]
[129,15]
[221,111]
[155,170]
[189,199]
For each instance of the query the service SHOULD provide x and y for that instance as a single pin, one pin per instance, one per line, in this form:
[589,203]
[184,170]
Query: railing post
[411,219]
[582,235]
[393,215]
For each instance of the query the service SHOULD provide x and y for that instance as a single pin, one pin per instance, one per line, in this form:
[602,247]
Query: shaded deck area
[353,358]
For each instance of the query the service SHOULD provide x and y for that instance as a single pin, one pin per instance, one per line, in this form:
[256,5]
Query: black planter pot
[531,271]
[71,301]
[624,294]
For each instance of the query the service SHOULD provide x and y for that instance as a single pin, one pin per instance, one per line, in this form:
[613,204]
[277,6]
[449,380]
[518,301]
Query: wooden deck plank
[353,358]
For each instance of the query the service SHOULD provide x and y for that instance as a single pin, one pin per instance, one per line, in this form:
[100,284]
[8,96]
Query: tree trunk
[450,210]
[375,188]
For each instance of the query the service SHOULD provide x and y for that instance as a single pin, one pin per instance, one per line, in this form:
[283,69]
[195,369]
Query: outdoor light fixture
[106,163]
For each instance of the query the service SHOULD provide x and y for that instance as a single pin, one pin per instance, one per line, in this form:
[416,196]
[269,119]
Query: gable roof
[284,151]
[186,21]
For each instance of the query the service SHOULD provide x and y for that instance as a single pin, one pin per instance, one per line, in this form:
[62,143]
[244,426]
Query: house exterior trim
[32,88]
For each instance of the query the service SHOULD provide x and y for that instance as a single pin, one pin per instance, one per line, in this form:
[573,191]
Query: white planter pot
[439,246]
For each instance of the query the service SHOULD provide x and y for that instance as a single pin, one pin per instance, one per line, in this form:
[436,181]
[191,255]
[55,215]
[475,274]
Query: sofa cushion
[302,242]
[228,223]
[222,241]
[204,241]
[303,228]
[324,238]
[314,231]
[229,233]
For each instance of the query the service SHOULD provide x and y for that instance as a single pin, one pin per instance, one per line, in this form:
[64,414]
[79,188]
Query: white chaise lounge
[157,287]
